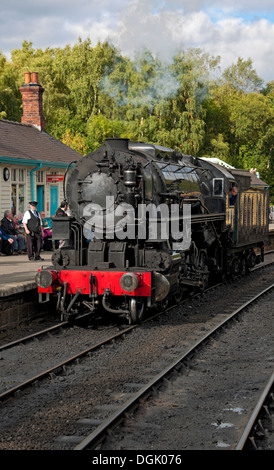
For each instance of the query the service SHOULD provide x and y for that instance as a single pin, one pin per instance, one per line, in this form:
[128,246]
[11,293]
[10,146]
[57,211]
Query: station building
[32,162]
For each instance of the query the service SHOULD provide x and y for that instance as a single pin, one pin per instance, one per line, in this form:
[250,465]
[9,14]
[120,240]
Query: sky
[229,29]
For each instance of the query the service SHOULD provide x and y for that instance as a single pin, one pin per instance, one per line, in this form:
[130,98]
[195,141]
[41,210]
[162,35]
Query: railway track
[96,437]
[60,368]
[33,336]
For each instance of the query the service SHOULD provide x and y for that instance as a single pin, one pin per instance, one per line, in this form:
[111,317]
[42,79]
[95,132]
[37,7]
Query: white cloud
[164,32]
[232,38]
[235,29]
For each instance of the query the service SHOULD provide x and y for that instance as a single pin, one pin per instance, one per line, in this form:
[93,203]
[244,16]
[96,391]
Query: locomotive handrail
[180,194]
[195,219]
[64,180]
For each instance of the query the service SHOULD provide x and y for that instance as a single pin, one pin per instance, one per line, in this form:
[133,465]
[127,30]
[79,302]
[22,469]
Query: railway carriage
[147,224]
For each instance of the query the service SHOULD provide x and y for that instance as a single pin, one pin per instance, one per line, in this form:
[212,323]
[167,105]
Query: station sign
[54,178]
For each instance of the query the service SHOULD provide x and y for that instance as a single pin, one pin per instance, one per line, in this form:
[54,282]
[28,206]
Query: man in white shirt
[33,227]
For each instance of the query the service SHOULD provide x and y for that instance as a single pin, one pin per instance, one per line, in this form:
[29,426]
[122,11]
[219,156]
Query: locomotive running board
[197,219]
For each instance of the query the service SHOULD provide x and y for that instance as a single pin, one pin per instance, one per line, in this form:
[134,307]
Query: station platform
[17,273]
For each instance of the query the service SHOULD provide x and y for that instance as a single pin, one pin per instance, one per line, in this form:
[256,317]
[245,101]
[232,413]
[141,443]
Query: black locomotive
[148,223]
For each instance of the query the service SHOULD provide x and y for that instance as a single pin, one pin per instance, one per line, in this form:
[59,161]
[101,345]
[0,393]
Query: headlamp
[44,279]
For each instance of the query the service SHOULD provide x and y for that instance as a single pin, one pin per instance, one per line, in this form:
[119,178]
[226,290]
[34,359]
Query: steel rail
[252,421]
[33,336]
[99,434]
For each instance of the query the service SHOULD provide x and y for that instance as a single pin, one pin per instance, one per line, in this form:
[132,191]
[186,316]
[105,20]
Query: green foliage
[100,128]
[92,92]
[243,77]
[244,124]
[10,96]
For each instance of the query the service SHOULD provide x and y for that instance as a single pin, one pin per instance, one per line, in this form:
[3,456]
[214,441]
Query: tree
[243,77]
[100,128]
[253,119]
[10,97]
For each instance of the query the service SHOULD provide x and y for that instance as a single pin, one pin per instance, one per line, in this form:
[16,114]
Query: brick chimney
[32,99]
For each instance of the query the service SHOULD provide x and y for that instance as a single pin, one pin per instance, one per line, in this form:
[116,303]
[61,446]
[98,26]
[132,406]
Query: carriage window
[218,185]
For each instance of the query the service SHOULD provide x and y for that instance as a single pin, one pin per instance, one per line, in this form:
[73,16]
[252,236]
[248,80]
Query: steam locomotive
[147,224]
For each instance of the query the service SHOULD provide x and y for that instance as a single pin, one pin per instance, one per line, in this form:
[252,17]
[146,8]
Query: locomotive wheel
[237,265]
[204,267]
[136,311]
[163,304]
[178,295]
[250,261]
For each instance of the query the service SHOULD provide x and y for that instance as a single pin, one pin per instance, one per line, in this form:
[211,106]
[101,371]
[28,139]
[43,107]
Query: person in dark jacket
[233,193]
[5,243]
[9,229]
[33,227]
[61,212]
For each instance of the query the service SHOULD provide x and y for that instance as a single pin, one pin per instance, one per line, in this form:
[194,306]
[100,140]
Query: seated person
[8,227]
[15,221]
[233,195]
[47,233]
[5,243]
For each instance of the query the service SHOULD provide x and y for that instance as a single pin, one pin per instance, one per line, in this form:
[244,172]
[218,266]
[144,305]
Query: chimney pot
[27,77]
[34,77]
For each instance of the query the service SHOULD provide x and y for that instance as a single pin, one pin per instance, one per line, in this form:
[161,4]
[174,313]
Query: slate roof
[22,141]
[254,181]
